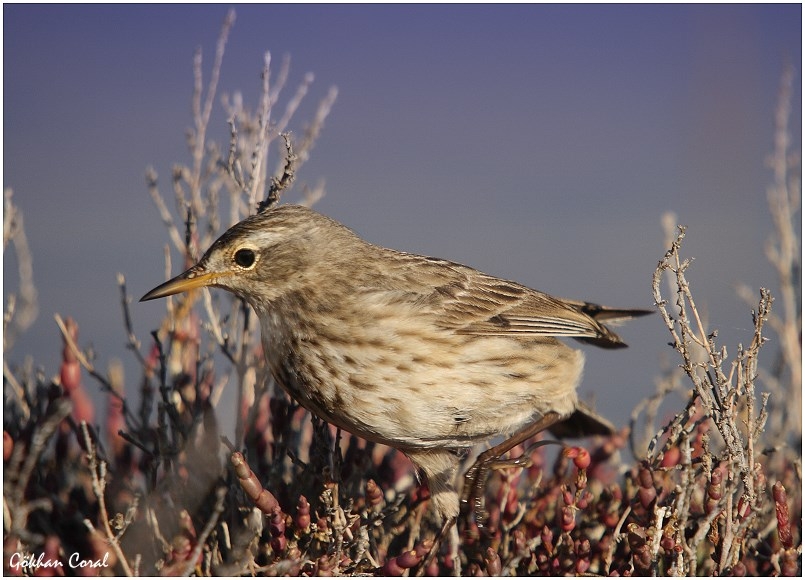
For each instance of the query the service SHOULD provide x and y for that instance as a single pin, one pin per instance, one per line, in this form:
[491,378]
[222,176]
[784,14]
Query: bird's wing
[470,302]
[482,304]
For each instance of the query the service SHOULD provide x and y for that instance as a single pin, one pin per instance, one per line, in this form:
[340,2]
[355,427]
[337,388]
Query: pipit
[425,355]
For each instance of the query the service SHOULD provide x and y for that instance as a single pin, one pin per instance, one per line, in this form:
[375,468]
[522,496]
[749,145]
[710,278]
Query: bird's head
[263,256]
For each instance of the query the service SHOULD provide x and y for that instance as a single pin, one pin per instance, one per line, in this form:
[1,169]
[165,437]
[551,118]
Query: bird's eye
[244,258]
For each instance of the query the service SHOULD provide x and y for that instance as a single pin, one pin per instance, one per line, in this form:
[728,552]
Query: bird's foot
[475,478]
[475,484]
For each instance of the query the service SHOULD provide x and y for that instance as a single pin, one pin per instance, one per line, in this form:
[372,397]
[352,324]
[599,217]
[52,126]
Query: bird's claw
[474,483]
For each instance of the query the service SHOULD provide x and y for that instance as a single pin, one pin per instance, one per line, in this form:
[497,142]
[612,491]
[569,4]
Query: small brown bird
[422,354]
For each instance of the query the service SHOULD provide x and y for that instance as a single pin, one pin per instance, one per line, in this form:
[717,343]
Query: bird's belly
[433,395]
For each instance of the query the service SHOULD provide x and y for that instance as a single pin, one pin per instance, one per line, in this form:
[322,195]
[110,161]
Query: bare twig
[164,212]
[313,130]
[98,470]
[220,496]
[783,251]
[728,398]
[132,343]
[90,368]
[21,467]
[201,115]
[280,184]
[260,153]
[23,308]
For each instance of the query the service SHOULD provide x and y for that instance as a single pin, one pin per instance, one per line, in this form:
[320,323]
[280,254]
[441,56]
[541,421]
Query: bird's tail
[604,315]
[583,422]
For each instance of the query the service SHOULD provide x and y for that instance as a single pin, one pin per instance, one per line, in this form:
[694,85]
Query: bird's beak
[195,277]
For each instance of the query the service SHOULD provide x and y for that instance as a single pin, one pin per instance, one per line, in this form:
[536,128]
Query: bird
[422,354]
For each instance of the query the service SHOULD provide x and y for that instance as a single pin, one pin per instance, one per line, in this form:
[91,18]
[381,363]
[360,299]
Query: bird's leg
[446,527]
[475,478]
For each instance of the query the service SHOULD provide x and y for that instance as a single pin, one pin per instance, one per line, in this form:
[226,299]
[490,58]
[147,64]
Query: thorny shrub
[155,489]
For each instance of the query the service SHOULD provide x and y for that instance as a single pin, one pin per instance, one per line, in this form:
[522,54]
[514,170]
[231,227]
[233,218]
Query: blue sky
[537,143]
